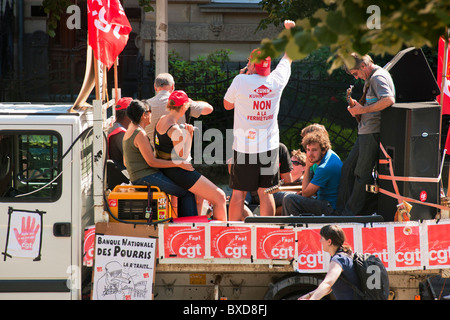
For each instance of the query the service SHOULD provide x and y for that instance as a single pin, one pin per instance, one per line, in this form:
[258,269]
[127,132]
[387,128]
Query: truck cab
[44,204]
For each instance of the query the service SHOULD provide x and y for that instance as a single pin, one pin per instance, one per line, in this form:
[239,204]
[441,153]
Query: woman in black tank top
[173,142]
[141,162]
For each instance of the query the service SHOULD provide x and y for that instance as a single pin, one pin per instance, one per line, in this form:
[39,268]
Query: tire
[292,287]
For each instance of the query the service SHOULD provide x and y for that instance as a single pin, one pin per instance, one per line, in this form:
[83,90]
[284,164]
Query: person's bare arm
[141,141]
[228,105]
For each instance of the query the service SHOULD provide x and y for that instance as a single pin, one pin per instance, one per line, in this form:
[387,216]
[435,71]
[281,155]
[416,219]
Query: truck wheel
[292,287]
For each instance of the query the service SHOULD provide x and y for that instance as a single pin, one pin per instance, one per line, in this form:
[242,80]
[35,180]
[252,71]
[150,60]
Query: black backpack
[373,277]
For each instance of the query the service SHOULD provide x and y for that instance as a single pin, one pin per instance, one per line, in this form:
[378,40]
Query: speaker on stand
[410,133]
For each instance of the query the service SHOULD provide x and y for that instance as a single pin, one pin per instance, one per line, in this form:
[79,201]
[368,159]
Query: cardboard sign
[231,242]
[124,268]
[310,256]
[407,246]
[184,241]
[24,238]
[374,241]
[124,261]
[275,243]
[438,245]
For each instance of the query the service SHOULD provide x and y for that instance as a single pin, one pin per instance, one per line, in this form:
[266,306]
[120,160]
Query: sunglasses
[296,163]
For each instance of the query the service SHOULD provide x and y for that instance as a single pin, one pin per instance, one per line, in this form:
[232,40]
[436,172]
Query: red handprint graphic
[27,237]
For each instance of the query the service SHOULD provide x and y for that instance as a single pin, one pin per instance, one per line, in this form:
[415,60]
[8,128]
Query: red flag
[446,91]
[447,142]
[108,29]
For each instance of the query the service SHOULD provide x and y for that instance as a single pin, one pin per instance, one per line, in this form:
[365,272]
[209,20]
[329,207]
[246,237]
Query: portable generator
[130,203]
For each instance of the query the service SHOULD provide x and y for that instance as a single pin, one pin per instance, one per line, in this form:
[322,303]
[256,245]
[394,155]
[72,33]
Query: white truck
[52,187]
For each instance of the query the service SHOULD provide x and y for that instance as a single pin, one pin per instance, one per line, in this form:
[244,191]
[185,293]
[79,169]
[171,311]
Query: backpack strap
[350,284]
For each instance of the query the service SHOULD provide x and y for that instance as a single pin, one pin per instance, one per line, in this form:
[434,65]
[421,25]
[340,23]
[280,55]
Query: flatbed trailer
[52,187]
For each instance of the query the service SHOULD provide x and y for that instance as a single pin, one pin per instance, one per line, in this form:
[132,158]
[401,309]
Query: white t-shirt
[256,102]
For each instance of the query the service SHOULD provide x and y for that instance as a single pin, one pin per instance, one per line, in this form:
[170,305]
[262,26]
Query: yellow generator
[130,203]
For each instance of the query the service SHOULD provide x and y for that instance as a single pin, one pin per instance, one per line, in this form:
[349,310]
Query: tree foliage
[362,26]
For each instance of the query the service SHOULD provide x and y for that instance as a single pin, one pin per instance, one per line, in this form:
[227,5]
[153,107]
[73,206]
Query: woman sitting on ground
[141,163]
[173,142]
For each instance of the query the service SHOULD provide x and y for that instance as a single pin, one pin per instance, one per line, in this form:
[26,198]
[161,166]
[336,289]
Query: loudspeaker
[410,135]
[413,79]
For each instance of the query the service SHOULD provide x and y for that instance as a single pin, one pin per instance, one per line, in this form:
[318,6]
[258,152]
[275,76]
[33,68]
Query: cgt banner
[409,245]
[231,242]
[275,243]
[437,245]
[184,241]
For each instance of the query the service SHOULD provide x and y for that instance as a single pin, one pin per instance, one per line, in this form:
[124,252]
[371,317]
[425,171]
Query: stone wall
[199,27]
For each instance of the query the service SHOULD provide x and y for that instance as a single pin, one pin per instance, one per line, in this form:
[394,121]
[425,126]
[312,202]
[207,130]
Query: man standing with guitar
[379,94]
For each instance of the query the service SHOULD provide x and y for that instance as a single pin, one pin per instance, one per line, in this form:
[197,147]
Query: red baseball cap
[123,103]
[262,66]
[179,97]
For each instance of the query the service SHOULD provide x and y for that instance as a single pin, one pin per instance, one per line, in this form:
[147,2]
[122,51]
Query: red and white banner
[89,239]
[231,242]
[446,91]
[310,257]
[184,241]
[438,245]
[411,245]
[374,241]
[108,29]
[275,243]
[407,248]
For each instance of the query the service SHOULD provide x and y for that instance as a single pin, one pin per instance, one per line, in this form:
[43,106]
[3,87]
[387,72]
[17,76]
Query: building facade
[52,68]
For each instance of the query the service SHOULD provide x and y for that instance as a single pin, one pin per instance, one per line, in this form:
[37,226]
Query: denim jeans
[187,205]
[356,172]
[294,204]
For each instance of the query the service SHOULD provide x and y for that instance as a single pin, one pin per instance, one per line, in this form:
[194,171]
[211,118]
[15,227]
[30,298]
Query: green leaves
[325,36]
[363,26]
[145,4]
[54,9]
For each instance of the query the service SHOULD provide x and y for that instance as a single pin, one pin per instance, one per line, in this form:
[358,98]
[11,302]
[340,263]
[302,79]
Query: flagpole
[104,83]
[97,84]
[116,91]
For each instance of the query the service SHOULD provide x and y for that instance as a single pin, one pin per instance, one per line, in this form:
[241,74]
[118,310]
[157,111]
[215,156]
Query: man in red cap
[116,132]
[255,97]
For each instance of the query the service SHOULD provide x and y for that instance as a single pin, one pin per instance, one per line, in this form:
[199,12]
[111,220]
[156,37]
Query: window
[29,168]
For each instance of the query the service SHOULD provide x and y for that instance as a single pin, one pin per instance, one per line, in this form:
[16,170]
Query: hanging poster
[124,268]
[88,252]
[438,244]
[275,243]
[311,257]
[407,246]
[24,234]
[231,242]
[184,241]
[374,241]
